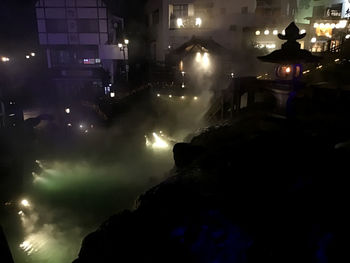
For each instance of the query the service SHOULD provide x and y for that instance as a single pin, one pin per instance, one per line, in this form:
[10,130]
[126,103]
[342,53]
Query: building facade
[327,21]
[81,41]
[230,23]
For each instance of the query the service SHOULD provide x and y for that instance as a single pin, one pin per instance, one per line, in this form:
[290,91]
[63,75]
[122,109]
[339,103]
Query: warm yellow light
[257,33]
[275,32]
[170,96]
[198,21]
[206,60]
[347,36]
[120,45]
[288,69]
[159,142]
[5,59]
[181,65]
[283,32]
[313,40]
[158,95]
[195,98]
[266,32]
[303,31]
[198,57]
[182,97]
[316,25]
[25,203]
[126,41]
[179,22]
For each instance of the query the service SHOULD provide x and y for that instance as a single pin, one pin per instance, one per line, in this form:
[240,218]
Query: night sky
[17,25]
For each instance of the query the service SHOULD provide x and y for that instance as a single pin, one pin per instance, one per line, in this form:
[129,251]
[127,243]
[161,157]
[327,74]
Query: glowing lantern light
[198,21]
[67,110]
[288,72]
[303,31]
[198,57]
[159,142]
[158,95]
[275,32]
[266,32]
[257,33]
[179,22]
[181,65]
[112,94]
[27,57]
[347,36]
[195,98]
[206,60]
[170,96]
[313,40]
[5,59]
[25,203]
[182,97]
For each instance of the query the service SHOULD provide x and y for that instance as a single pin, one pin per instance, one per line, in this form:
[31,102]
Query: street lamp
[5,59]
[122,48]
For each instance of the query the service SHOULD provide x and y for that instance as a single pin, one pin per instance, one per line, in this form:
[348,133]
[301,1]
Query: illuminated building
[327,22]
[229,23]
[172,23]
[80,38]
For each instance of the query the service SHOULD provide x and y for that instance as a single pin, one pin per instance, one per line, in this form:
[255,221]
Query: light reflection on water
[70,198]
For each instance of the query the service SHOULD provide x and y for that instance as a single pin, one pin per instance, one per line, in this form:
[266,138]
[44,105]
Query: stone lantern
[289,60]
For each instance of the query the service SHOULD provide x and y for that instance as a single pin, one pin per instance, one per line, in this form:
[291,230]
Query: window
[244,10]
[155,17]
[88,26]
[56,26]
[180,11]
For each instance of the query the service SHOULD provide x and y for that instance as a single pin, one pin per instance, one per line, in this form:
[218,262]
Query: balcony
[189,22]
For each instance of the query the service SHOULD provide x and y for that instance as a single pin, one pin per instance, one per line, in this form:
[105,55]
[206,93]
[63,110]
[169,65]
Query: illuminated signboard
[346,9]
[331,12]
[91,61]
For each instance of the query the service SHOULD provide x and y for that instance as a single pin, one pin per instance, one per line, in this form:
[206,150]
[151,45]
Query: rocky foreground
[256,190]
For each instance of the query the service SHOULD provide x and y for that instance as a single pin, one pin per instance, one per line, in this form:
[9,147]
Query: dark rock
[185,154]
[258,190]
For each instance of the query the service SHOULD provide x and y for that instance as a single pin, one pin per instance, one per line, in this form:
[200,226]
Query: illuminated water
[82,182]
[71,197]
